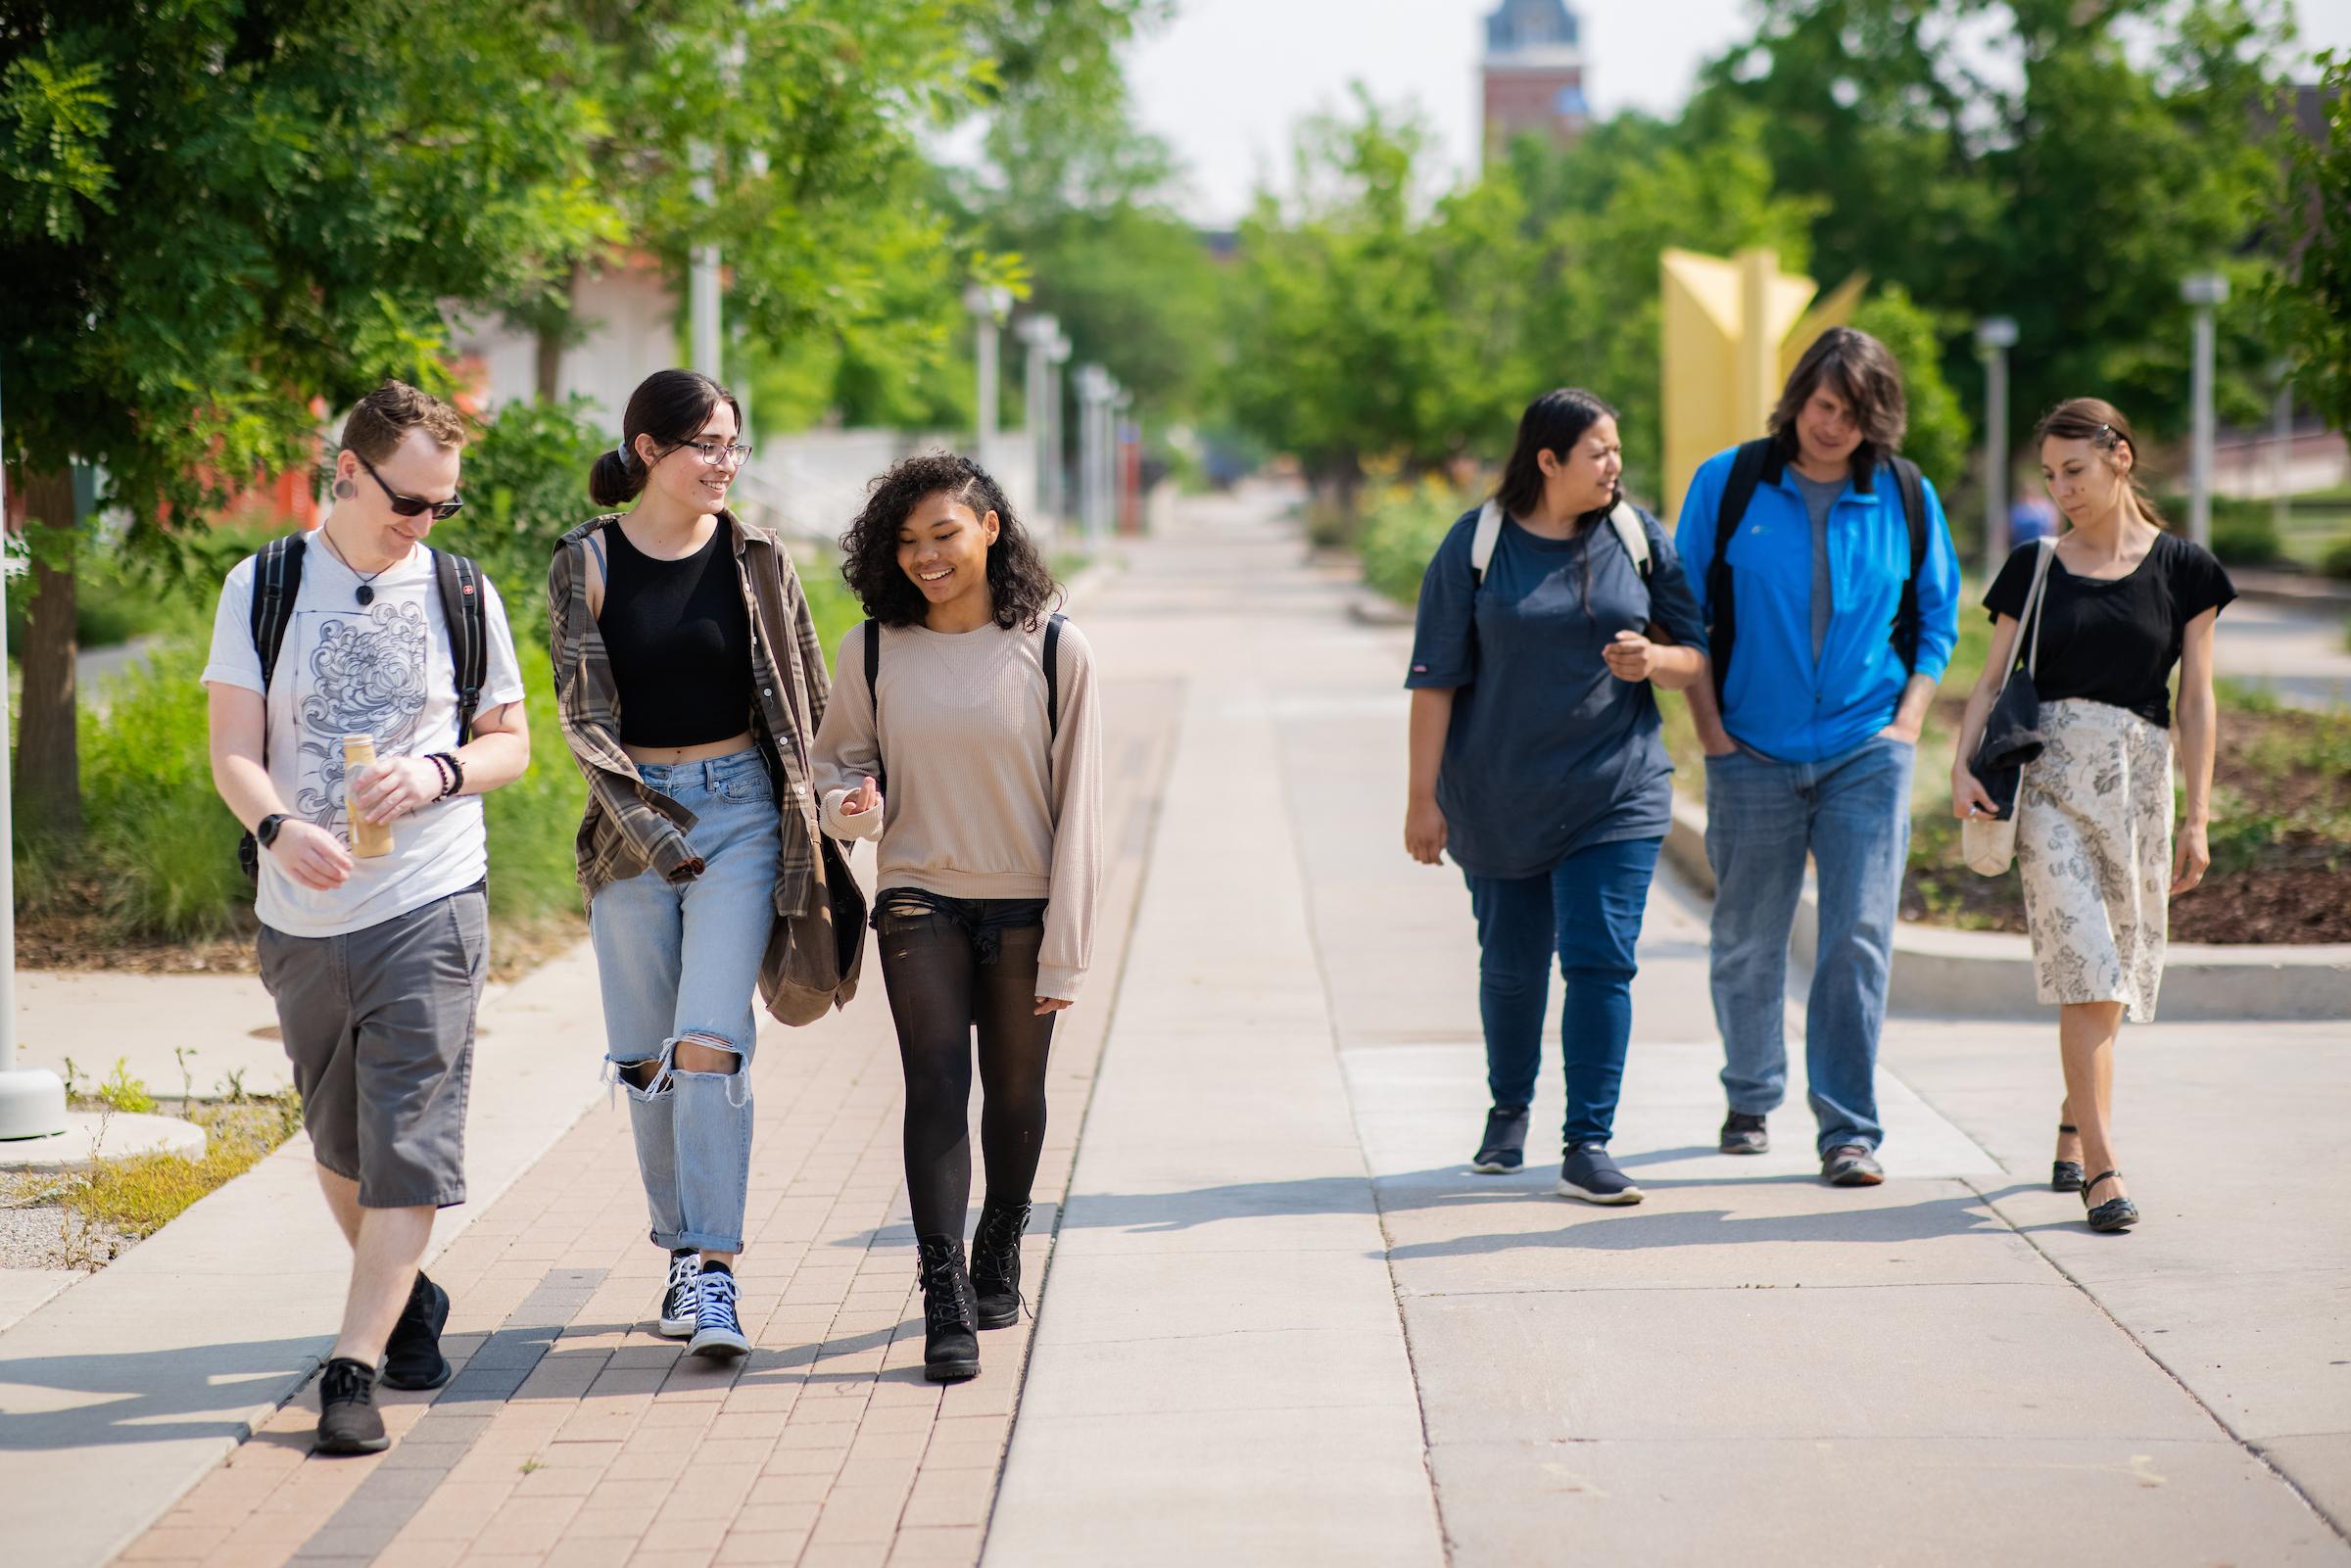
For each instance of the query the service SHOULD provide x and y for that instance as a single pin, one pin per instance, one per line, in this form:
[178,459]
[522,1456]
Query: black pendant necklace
[365,594]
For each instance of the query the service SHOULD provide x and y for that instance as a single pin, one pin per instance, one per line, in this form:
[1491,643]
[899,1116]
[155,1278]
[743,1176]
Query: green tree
[2312,302]
[218,216]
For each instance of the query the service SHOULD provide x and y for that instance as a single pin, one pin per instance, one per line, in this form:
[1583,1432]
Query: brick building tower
[1533,73]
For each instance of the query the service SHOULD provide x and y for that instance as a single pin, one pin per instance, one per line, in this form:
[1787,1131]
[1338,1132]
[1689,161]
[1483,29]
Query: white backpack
[1621,517]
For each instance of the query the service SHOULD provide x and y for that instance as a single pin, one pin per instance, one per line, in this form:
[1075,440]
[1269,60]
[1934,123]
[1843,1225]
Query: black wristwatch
[265,831]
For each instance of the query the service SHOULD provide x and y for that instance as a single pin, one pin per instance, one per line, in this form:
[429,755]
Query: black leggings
[950,964]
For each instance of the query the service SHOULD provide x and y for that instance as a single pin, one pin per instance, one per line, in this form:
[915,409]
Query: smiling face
[418,467]
[1585,478]
[2085,482]
[679,477]
[1826,431]
[942,547]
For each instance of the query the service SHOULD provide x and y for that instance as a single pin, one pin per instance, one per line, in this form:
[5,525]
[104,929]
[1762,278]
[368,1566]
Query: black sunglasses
[413,506]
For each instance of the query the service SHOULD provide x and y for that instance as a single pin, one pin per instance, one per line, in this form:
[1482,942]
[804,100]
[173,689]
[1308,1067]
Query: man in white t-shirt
[375,963]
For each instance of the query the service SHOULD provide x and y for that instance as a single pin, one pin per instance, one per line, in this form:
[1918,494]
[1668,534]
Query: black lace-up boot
[950,1338]
[996,1262]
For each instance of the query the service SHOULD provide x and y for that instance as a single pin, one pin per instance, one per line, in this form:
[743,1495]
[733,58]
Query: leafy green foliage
[526,483]
[1402,530]
[2311,304]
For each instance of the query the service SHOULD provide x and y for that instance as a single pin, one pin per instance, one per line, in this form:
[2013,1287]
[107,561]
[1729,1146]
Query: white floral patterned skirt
[2093,844]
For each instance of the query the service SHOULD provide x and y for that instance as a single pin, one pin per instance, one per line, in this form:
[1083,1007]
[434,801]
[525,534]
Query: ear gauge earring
[345,490]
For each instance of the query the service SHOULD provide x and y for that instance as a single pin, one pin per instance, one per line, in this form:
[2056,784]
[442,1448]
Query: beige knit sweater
[972,806]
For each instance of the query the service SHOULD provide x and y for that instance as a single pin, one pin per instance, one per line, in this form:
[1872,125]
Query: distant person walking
[1826,575]
[965,735]
[1544,620]
[692,682]
[374,952]
[2124,603]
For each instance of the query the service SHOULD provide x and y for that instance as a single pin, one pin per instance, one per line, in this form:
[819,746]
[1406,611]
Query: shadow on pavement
[147,1396]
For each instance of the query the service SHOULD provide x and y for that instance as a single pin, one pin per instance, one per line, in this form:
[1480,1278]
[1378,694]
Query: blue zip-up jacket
[1776,700]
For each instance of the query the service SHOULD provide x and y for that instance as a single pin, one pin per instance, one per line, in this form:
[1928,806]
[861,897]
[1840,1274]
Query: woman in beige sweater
[963,734]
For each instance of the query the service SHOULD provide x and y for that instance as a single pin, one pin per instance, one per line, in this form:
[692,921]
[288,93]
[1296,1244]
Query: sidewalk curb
[1989,975]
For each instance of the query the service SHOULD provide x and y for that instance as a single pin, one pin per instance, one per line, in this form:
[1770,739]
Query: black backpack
[278,583]
[873,690]
[1762,460]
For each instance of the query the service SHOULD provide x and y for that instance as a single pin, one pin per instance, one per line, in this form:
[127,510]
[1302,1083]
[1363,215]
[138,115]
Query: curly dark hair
[1019,584]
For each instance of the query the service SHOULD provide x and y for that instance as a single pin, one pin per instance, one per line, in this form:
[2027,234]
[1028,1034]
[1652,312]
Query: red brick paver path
[573,1436]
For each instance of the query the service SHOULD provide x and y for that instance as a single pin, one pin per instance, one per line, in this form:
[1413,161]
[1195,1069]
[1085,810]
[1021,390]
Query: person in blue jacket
[1831,615]
[1536,761]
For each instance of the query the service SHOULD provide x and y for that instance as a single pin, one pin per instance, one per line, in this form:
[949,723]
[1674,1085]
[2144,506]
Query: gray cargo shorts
[378,1023]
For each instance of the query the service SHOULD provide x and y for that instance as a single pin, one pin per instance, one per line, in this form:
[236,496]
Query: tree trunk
[48,779]
[552,334]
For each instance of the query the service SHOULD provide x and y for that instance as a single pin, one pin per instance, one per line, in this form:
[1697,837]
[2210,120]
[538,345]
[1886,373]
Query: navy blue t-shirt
[1548,753]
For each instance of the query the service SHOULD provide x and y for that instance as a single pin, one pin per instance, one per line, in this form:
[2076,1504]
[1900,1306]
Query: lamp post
[1095,392]
[987,303]
[32,1099]
[2281,440]
[2204,291]
[1038,334]
[1120,402]
[1057,444]
[1995,335]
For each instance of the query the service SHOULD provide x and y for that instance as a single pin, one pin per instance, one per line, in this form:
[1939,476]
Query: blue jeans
[1587,909]
[1853,814]
[680,960]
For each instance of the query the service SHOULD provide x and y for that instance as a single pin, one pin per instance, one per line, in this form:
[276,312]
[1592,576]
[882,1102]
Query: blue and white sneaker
[717,1331]
[677,1298]
[1590,1174]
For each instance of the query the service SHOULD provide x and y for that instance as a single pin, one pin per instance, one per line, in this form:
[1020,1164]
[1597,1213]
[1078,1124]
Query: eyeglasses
[713,452]
[413,506]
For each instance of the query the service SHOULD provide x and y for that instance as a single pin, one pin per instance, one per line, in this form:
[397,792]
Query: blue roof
[1530,23]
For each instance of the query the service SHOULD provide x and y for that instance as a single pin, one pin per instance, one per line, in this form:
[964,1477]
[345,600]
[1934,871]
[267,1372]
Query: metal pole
[1057,441]
[32,1099]
[2282,441]
[1038,334]
[2204,291]
[1995,336]
[702,283]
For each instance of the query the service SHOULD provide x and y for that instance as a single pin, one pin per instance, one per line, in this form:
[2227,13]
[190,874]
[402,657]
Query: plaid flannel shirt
[629,826]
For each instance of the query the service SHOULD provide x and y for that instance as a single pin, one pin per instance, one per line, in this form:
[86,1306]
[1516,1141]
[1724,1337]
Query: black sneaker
[348,1420]
[1590,1174]
[1743,1134]
[412,1358]
[996,1262]
[950,1335]
[1504,1148]
[677,1298]
[1850,1164]
[717,1331]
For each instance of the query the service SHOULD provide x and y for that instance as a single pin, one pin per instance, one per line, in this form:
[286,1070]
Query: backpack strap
[1052,686]
[1482,543]
[1912,485]
[872,692]
[1632,536]
[276,584]
[1722,605]
[464,605]
[596,548]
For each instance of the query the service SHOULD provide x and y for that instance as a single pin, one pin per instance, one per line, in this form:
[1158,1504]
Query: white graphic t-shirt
[383,668]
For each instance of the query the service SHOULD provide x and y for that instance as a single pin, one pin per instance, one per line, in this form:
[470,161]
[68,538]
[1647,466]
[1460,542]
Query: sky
[1226,81]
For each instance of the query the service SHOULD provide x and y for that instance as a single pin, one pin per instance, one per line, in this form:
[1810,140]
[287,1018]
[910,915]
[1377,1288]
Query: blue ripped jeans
[680,960]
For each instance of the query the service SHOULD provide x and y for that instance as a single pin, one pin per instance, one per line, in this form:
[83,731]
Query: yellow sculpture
[1733,330]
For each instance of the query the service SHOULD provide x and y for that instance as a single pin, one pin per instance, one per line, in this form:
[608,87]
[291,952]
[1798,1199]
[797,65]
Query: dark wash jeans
[1587,910]
[1851,814]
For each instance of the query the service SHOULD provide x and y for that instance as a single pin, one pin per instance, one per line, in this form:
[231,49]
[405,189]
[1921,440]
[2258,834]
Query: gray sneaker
[1590,1174]
[1849,1164]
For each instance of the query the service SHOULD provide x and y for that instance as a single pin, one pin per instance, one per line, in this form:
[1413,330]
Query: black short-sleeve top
[2115,641]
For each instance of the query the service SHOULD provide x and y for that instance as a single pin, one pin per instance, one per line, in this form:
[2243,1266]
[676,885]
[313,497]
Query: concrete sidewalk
[1280,1323]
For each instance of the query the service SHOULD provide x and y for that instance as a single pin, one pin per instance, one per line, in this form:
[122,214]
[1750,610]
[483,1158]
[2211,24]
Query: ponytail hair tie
[621,451]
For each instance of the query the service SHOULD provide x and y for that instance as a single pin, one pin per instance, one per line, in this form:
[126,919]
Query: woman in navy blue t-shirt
[1537,764]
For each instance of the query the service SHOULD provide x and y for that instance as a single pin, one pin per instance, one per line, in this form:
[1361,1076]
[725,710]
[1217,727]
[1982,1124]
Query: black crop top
[679,635]
[2115,641]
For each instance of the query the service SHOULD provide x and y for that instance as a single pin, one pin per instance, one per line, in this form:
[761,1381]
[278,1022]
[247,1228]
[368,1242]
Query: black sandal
[2115,1214]
[2065,1176]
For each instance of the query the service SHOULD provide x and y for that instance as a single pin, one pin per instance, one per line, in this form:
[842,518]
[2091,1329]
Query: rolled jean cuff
[701,1241]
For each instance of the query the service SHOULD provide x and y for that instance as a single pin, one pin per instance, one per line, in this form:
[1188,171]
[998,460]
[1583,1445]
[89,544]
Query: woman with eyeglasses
[692,682]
